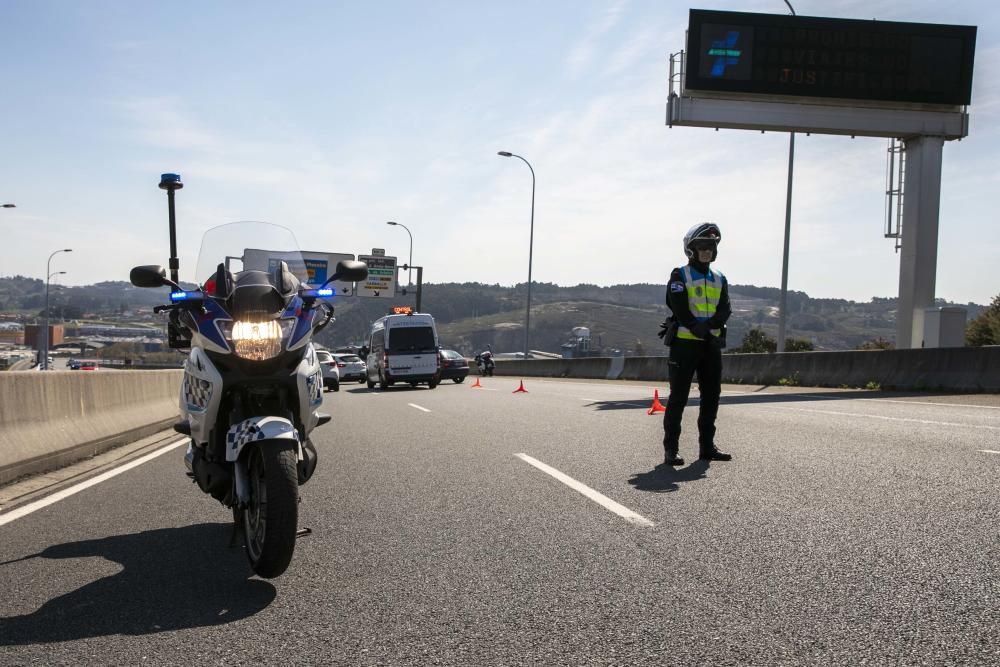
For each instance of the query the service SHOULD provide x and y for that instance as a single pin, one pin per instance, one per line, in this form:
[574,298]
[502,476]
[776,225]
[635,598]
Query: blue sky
[333,117]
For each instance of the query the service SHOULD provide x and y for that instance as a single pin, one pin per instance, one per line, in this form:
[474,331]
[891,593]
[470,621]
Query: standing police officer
[698,297]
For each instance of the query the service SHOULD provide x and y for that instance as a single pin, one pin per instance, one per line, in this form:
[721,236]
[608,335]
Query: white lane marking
[592,400]
[66,493]
[596,496]
[988,451]
[947,405]
[834,396]
[894,419]
[414,405]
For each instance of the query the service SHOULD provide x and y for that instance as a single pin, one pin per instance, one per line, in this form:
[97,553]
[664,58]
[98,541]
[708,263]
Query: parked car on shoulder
[351,367]
[331,374]
[453,366]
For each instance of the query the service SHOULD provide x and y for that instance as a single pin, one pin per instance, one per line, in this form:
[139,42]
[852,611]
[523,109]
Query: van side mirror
[151,275]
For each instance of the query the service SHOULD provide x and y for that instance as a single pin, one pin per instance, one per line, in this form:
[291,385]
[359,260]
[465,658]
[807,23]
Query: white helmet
[705,231]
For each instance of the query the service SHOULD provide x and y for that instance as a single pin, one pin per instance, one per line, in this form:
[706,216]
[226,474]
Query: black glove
[664,325]
[702,330]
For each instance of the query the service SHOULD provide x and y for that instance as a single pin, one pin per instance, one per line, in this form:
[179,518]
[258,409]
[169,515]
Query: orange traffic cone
[477,385]
[520,389]
[656,406]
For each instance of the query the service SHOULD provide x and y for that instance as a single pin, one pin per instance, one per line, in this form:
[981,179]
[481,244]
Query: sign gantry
[909,81]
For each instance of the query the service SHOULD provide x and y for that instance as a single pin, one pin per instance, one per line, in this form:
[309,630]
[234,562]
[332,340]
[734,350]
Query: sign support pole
[420,283]
[918,254]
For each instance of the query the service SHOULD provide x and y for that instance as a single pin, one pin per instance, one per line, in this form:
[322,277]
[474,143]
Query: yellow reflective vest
[704,291]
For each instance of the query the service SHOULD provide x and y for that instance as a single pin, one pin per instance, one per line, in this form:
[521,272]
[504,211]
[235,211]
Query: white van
[403,348]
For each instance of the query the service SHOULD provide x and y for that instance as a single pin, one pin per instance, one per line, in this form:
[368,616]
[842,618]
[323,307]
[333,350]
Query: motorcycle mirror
[349,270]
[150,275]
[223,282]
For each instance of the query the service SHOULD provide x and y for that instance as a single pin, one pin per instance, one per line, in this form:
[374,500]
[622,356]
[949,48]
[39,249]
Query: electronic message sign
[879,61]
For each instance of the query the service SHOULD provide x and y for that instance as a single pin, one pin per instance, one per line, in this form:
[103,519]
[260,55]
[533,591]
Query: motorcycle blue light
[186,296]
[319,293]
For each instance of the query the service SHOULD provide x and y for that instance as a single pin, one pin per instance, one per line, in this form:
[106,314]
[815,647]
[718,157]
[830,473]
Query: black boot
[713,453]
[671,458]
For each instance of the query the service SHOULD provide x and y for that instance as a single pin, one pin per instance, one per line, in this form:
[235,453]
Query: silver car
[351,367]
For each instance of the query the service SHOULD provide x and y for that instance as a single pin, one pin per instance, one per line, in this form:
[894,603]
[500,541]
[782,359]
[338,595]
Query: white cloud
[582,53]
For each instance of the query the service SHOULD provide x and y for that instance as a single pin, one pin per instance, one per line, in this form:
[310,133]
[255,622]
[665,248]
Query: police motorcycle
[485,363]
[252,382]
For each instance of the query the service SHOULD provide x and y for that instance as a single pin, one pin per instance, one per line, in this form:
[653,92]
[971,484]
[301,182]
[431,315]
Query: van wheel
[457,380]
[413,384]
[432,384]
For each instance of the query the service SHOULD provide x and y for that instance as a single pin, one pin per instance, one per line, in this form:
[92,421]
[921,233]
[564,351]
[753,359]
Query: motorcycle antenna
[171,183]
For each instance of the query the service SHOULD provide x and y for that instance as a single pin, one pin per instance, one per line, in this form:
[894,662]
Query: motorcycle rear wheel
[271,518]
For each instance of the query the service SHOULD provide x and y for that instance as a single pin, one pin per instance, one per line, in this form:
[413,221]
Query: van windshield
[411,339]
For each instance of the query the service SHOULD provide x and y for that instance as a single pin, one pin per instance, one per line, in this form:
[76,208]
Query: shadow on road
[760,399]
[173,578]
[664,479]
[399,386]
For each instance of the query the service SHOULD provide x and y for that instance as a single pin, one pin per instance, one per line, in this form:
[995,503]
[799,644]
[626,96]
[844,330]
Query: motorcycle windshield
[249,246]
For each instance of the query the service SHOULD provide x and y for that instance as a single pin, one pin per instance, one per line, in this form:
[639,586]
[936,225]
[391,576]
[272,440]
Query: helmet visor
[704,244]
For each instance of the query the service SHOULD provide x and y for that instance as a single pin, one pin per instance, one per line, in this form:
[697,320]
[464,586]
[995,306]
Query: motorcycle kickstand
[236,537]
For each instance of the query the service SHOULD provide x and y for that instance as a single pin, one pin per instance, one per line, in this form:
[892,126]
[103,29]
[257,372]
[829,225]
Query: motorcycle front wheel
[271,518]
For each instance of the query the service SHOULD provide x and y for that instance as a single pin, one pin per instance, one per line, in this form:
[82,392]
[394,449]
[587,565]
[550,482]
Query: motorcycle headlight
[256,340]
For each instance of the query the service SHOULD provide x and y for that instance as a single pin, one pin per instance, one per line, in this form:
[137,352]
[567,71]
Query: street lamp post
[783,295]
[531,244]
[48,275]
[409,274]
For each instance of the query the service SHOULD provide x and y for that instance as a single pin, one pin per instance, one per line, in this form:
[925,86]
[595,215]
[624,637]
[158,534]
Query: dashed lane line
[414,405]
[883,417]
[66,493]
[596,496]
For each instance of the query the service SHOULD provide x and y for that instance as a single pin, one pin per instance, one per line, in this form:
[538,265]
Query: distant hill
[472,315]
[623,317]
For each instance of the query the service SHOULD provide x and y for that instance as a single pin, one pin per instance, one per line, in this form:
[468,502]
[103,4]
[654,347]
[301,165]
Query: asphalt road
[851,527]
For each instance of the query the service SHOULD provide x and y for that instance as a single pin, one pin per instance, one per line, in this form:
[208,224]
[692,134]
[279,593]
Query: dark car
[453,366]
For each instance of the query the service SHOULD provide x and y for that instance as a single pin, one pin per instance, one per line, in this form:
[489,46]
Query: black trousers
[687,357]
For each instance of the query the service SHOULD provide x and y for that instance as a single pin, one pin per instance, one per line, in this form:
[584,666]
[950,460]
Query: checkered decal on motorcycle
[314,384]
[197,393]
[243,433]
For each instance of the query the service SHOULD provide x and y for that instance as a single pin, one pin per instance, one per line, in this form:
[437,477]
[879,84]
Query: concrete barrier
[943,368]
[50,419]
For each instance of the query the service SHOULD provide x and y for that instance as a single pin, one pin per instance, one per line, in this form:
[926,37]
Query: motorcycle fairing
[259,428]
[200,371]
[309,380]
[304,321]
[209,334]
